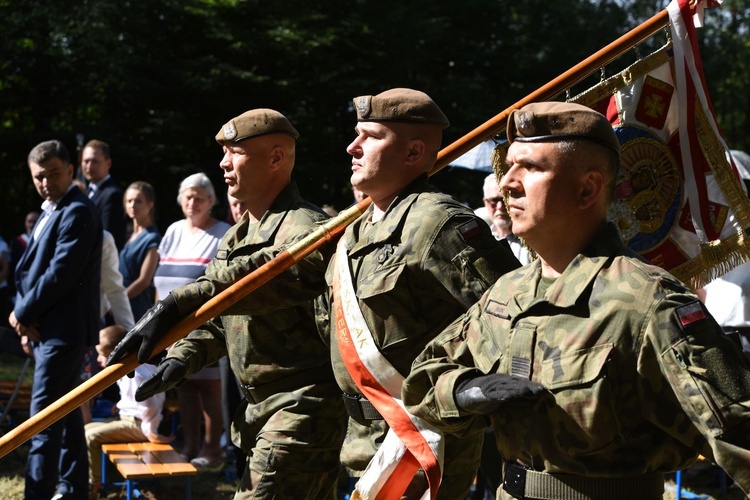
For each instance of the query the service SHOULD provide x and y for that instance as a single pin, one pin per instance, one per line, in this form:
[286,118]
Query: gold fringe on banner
[716,258]
[608,87]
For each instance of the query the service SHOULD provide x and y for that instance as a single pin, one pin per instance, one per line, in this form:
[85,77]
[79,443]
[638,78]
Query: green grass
[10,368]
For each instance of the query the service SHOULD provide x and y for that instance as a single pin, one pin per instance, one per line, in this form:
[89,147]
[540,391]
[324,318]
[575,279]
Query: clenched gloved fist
[488,393]
[147,332]
[168,374]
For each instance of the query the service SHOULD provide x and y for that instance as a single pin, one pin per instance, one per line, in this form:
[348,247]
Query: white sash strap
[409,437]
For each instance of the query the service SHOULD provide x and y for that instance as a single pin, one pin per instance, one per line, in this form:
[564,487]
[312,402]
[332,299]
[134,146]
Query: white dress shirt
[114,294]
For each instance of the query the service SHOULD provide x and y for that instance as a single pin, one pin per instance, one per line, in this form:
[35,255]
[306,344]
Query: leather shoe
[63,496]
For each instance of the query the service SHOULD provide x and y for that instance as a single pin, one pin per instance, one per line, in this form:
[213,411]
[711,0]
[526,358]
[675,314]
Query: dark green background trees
[157,78]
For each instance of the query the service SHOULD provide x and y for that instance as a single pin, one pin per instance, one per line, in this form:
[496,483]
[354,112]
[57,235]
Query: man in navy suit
[56,315]
[106,194]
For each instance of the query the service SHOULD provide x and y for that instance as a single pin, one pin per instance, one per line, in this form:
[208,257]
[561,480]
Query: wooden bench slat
[157,469]
[136,447]
[23,398]
[148,457]
[124,458]
[168,456]
[130,468]
[139,460]
[186,469]
[107,448]
[173,464]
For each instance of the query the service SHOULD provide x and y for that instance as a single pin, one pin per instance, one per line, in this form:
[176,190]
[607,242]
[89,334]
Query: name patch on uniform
[496,308]
[690,313]
[470,230]
[222,254]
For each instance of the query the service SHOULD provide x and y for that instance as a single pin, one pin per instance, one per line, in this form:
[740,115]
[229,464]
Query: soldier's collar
[585,266]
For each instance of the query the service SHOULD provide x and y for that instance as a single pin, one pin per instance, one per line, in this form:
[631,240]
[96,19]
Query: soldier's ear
[592,188]
[276,156]
[415,151]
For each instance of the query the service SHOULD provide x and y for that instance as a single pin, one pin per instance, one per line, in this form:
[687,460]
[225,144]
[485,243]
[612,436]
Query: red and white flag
[679,201]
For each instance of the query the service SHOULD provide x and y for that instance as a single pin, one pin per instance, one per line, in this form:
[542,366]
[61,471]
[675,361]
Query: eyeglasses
[493,201]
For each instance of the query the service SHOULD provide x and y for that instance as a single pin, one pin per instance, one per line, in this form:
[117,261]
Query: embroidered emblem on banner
[653,105]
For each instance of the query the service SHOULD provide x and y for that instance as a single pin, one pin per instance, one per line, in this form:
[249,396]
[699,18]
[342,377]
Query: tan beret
[253,123]
[399,105]
[559,121]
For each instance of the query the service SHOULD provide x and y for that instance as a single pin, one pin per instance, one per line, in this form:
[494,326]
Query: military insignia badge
[363,104]
[385,253]
[525,124]
[230,131]
[690,313]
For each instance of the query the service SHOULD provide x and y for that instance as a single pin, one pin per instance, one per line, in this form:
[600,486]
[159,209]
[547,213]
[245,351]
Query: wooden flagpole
[554,87]
[326,233]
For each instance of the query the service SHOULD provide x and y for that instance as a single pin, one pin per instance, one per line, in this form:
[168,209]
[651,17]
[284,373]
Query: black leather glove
[486,394]
[149,330]
[168,374]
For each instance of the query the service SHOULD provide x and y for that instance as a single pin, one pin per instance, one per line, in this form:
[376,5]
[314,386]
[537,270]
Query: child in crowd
[136,421]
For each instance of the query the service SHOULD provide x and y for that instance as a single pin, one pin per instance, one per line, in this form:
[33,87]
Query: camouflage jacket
[270,334]
[640,377]
[416,270]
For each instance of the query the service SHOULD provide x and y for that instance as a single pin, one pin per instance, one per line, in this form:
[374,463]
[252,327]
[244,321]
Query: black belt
[359,408]
[524,483]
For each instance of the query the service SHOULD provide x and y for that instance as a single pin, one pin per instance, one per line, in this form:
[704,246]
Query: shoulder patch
[470,229]
[496,308]
[690,313]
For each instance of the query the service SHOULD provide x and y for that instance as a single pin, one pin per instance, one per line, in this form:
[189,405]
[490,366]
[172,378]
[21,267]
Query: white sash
[410,442]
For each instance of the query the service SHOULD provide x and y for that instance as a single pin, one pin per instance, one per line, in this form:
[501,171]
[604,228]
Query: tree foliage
[157,78]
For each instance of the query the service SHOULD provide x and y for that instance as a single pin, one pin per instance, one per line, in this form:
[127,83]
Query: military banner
[679,201]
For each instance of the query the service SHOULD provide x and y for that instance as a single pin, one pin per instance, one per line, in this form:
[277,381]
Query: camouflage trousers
[292,441]
[462,457]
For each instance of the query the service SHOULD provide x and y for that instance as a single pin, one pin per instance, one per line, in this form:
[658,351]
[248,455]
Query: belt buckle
[353,407]
[514,480]
[247,391]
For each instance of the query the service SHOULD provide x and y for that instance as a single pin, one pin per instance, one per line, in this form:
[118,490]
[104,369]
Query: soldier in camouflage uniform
[598,371]
[292,421]
[418,258]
